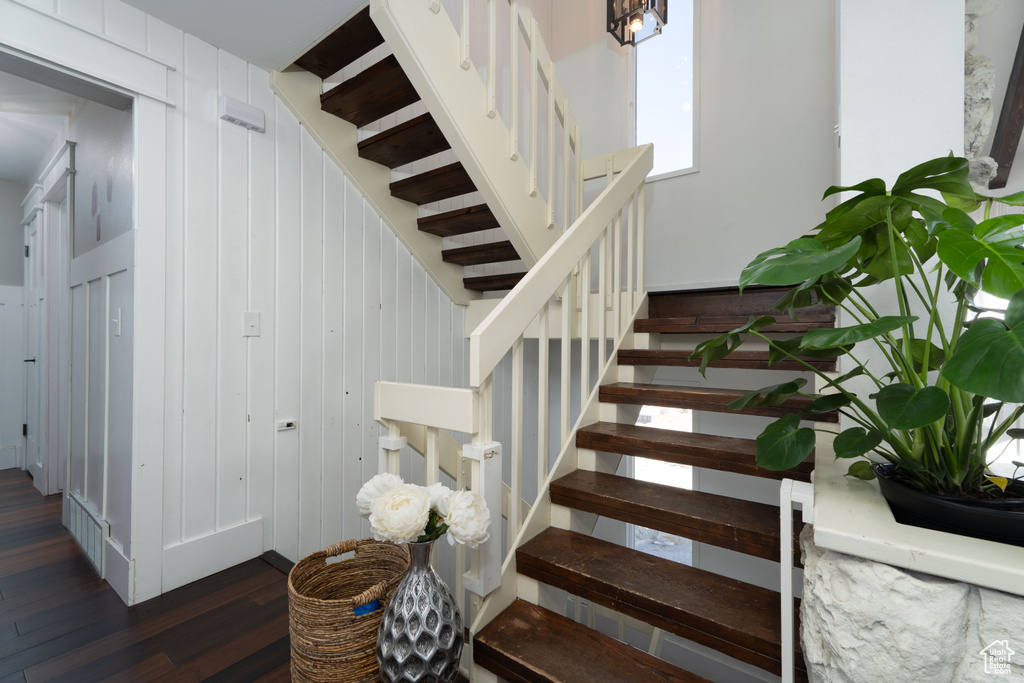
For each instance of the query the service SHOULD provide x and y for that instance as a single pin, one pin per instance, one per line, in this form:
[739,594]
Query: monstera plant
[945,380]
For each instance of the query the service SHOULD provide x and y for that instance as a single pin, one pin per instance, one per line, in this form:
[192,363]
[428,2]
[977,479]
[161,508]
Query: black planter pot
[991,520]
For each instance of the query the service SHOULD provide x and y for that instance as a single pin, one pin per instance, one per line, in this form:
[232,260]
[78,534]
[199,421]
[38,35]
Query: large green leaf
[827,403]
[936,356]
[945,174]
[721,346]
[842,336]
[903,406]
[989,360]
[1000,225]
[872,187]
[962,252]
[782,349]
[862,214]
[773,395]
[784,444]
[862,470]
[856,441]
[800,260]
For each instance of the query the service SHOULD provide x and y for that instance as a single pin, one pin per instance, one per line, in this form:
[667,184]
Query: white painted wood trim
[192,560]
[495,335]
[431,406]
[24,29]
[299,90]
[118,570]
[94,263]
[427,46]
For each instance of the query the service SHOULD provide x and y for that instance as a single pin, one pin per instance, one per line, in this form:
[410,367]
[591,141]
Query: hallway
[59,622]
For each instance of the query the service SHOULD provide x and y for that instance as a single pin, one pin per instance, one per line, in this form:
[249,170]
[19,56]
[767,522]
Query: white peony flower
[382,483]
[438,494]
[467,518]
[400,515]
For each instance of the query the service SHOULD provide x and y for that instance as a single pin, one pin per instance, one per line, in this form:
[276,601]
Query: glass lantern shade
[634,21]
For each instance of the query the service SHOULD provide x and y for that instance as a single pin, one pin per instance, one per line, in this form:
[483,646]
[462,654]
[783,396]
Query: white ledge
[850,516]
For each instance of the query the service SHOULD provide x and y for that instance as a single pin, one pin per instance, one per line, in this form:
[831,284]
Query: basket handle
[375,592]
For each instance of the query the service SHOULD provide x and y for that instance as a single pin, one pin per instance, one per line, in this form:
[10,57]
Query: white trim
[192,560]
[442,407]
[107,258]
[118,571]
[25,28]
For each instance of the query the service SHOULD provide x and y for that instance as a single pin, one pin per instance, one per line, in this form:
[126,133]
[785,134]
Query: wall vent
[241,114]
[88,530]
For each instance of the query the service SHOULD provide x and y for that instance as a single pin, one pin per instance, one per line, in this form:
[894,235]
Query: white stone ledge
[850,516]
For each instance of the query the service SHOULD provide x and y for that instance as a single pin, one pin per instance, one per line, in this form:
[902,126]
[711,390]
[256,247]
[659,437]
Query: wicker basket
[330,641]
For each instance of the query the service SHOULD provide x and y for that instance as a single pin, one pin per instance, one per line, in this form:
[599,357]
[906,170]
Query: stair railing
[588,288]
[488,79]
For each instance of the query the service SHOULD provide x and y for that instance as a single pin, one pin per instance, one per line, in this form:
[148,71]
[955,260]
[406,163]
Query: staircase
[580,295]
[382,89]
[738,619]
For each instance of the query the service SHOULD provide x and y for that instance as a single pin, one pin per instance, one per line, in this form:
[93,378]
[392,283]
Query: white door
[35,351]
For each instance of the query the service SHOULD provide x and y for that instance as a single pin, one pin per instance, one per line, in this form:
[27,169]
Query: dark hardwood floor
[60,622]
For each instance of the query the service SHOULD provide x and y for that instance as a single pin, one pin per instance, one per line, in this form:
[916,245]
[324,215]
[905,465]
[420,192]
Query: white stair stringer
[300,91]
[427,46]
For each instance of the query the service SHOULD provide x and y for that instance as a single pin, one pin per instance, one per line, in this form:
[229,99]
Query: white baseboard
[9,457]
[192,560]
[118,571]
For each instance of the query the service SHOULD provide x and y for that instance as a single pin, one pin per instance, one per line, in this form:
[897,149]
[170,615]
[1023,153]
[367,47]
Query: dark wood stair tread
[728,302]
[725,453]
[440,183]
[349,42]
[742,360]
[415,139]
[492,252]
[720,324]
[527,643]
[740,525]
[493,283]
[380,90]
[738,619]
[704,398]
[459,222]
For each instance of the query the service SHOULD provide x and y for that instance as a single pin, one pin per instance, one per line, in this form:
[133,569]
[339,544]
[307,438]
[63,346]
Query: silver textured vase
[420,636]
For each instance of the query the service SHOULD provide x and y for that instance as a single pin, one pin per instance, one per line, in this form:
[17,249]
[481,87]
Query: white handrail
[494,336]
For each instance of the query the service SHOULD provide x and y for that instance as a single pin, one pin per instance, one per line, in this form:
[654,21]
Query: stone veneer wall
[868,622]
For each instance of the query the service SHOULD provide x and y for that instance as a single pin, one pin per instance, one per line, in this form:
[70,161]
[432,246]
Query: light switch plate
[250,324]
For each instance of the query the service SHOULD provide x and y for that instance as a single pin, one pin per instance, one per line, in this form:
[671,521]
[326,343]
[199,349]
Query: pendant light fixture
[634,21]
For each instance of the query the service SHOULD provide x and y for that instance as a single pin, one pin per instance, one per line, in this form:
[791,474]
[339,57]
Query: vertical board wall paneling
[288,319]
[175,290]
[261,276]
[96,407]
[365,459]
[355,373]
[232,299]
[119,443]
[79,385]
[199,471]
[334,349]
[312,343]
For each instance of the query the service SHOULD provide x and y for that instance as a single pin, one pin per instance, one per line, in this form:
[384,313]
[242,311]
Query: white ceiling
[31,115]
[267,33]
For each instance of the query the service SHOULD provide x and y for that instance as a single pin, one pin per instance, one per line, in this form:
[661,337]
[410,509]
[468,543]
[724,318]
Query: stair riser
[680,360]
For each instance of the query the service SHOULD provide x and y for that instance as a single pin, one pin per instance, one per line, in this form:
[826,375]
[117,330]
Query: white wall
[12,376]
[262,223]
[901,92]
[12,238]
[766,146]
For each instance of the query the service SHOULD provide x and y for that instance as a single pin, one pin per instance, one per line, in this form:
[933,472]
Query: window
[665,92]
